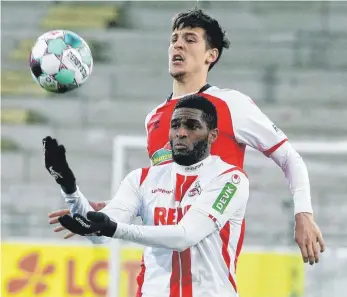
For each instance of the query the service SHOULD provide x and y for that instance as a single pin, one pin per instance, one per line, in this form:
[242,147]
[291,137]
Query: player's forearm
[192,229]
[297,177]
[77,203]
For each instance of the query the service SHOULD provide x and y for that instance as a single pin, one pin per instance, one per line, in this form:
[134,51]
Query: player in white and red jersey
[192,210]
[197,42]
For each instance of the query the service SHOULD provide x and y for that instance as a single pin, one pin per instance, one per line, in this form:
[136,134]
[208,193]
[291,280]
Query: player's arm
[255,129]
[221,201]
[123,207]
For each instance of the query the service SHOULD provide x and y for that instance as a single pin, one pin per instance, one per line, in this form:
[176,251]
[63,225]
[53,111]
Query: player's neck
[188,85]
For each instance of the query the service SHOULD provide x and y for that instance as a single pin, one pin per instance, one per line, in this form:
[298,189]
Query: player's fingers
[97,205]
[310,252]
[61,150]
[315,252]
[304,252]
[58,213]
[53,221]
[46,140]
[69,235]
[58,229]
[321,243]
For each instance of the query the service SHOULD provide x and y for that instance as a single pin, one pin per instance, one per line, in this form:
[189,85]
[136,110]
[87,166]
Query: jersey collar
[203,89]
[194,169]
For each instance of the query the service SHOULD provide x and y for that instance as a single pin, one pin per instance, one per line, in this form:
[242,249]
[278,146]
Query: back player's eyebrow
[185,34]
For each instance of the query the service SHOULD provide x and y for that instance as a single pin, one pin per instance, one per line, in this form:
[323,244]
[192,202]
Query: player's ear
[213,135]
[212,55]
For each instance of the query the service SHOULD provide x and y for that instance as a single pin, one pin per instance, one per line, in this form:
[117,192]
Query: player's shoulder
[154,173]
[154,111]
[228,95]
[226,170]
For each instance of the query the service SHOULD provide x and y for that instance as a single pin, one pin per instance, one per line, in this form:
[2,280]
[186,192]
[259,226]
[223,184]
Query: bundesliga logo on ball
[60,61]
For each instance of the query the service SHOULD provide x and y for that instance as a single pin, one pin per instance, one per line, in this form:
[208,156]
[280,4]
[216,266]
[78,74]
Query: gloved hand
[57,166]
[96,224]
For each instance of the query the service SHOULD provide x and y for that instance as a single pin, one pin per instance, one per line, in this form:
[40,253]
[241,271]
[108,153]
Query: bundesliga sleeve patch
[224,197]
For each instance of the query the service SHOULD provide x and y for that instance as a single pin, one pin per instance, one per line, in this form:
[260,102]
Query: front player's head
[193,129]
[196,44]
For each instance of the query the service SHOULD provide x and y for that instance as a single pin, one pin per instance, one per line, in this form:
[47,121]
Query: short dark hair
[209,112]
[196,18]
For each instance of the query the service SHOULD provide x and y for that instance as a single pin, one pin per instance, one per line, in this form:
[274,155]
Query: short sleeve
[252,127]
[225,198]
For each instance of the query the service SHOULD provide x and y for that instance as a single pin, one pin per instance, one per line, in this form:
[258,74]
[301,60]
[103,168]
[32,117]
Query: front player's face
[190,138]
[189,52]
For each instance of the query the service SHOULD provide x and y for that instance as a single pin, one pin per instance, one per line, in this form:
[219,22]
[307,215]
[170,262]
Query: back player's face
[190,138]
[188,52]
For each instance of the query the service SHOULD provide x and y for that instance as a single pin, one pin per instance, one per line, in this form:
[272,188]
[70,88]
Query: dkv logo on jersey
[162,155]
[224,198]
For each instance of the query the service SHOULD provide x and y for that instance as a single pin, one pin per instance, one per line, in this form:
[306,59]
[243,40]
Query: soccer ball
[60,61]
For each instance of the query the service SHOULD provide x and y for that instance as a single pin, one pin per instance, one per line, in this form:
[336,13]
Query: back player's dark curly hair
[214,34]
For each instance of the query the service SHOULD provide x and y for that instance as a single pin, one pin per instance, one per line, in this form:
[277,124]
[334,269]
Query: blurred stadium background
[290,57]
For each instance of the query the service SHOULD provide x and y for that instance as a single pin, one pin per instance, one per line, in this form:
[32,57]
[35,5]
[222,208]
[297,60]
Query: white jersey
[181,258]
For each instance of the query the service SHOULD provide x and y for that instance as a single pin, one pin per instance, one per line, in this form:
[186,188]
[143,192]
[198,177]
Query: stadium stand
[75,16]
[292,64]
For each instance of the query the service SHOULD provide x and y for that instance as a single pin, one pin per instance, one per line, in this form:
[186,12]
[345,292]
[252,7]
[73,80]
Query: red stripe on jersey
[232,169]
[182,185]
[179,182]
[226,146]
[225,236]
[144,174]
[140,278]
[240,242]
[275,147]
[212,217]
[175,276]
[187,284]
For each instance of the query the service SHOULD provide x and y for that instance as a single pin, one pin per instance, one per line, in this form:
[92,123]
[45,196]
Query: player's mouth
[180,146]
[177,59]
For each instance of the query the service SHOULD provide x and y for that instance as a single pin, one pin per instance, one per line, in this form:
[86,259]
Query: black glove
[55,162]
[96,224]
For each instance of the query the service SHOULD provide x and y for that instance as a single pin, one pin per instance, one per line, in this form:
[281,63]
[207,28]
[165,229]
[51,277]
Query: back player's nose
[178,44]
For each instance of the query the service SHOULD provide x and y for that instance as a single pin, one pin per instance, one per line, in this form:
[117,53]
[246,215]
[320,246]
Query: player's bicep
[126,204]
[225,198]
[196,227]
[253,128]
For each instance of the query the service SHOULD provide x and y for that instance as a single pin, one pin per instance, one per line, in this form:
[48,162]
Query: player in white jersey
[192,210]
[196,45]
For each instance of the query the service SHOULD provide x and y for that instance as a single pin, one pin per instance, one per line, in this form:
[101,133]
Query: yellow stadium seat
[8,144]
[79,16]
[22,51]
[20,83]
[14,115]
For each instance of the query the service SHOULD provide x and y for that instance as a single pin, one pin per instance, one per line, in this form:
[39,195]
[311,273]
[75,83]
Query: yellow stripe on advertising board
[48,270]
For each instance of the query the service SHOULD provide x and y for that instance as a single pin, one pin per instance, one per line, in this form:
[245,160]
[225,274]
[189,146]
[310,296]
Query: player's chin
[180,152]
[177,73]
[180,156]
